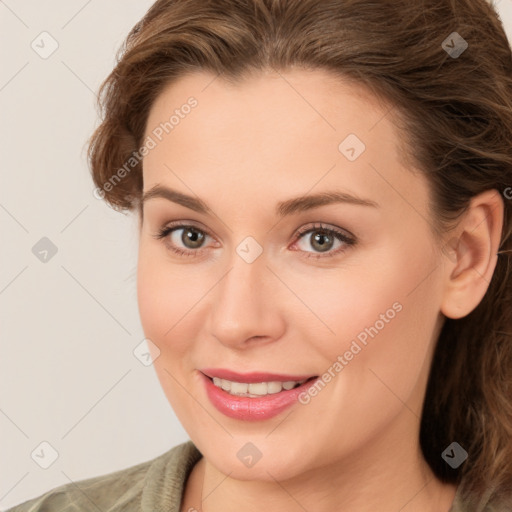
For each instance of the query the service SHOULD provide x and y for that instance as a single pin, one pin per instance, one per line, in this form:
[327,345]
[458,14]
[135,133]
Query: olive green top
[156,485]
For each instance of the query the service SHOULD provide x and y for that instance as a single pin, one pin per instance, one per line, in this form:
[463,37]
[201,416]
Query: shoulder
[490,501]
[137,488]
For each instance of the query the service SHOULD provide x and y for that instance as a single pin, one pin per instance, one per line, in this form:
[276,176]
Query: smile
[255,389]
[255,396]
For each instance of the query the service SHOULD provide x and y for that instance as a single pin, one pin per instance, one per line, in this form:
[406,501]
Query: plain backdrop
[74,396]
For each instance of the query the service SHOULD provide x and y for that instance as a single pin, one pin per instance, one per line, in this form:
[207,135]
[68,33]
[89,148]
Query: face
[347,291]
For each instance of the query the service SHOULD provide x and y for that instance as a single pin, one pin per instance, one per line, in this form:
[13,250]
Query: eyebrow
[284,208]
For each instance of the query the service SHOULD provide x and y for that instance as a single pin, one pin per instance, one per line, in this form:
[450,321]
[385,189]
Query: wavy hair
[455,114]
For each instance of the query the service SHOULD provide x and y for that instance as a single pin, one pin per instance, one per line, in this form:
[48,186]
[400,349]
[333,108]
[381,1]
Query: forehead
[317,98]
[276,133]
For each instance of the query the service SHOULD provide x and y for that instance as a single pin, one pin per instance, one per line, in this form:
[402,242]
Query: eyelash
[339,235]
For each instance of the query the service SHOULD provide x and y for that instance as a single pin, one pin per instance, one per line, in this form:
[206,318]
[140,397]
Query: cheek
[163,301]
[380,314]
[166,297]
[173,305]
[164,293]
[153,296]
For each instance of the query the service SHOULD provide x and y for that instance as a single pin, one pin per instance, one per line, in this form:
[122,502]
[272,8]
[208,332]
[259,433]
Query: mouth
[257,389]
[254,396]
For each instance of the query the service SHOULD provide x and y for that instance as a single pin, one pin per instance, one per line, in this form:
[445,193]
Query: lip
[253,409]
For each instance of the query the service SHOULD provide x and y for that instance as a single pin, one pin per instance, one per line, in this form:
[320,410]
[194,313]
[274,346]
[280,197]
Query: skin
[243,149]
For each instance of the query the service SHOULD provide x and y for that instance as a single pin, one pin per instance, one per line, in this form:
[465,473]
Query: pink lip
[253,409]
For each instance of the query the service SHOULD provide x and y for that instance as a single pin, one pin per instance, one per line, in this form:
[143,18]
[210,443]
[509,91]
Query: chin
[252,457]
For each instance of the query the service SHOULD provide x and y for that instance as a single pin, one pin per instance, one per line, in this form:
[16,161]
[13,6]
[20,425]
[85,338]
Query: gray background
[70,324]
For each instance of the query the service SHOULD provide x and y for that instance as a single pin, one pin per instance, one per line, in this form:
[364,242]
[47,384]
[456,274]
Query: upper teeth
[254,388]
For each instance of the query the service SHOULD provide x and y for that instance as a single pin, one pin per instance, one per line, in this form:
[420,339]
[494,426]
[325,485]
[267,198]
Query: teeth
[273,387]
[237,388]
[254,389]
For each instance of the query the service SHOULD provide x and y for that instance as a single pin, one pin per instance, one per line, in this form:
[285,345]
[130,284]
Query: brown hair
[456,115]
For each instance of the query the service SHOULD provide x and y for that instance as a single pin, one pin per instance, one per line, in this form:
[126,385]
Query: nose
[247,305]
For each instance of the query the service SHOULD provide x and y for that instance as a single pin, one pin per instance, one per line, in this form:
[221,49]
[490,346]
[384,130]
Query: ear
[471,254]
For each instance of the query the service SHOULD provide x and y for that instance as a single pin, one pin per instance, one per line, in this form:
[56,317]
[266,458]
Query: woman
[324,201]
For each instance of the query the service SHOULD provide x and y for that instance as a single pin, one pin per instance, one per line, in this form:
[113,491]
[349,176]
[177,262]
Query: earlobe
[472,255]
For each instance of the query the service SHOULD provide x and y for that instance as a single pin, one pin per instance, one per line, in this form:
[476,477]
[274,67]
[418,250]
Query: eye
[193,239]
[324,240]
